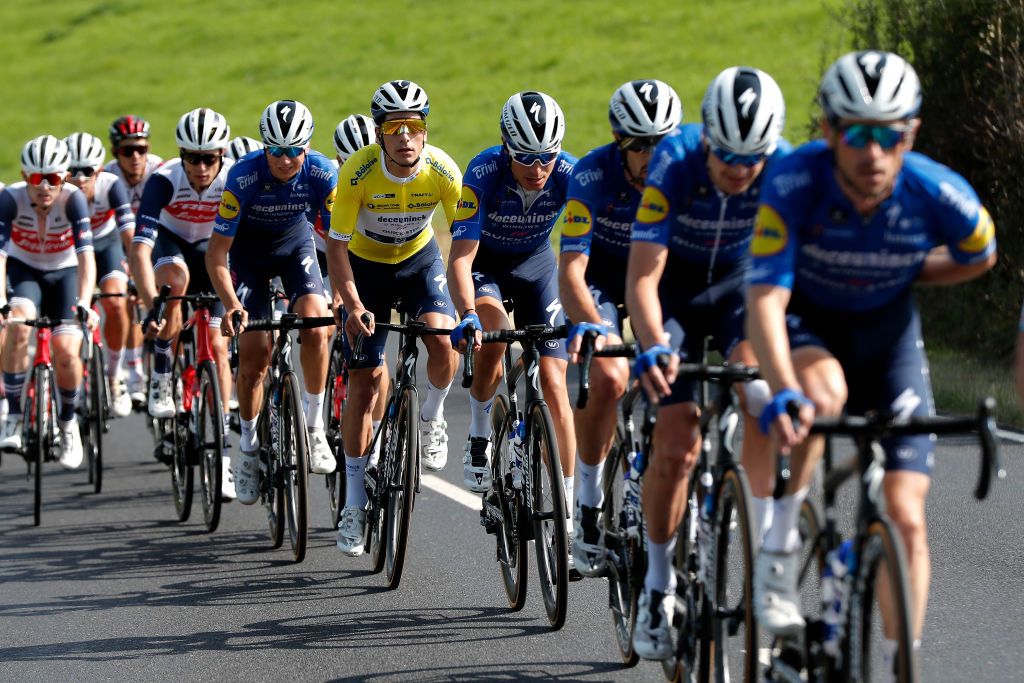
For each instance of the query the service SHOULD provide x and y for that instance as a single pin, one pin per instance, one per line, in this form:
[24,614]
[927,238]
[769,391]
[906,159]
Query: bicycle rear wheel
[181,465]
[736,633]
[549,514]
[209,441]
[401,495]
[91,427]
[512,546]
[293,456]
[880,588]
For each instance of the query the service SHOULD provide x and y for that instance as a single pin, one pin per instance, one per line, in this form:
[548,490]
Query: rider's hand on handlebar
[458,335]
[355,324]
[227,322]
[88,316]
[778,416]
[575,340]
[656,368]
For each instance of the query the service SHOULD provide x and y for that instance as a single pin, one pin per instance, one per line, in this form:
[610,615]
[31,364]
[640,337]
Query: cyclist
[685,282]
[381,253]
[46,254]
[240,146]
[133,163]
[846,225]
[174,225]
[501,250]
[113,226]
[266,201]
[602,200]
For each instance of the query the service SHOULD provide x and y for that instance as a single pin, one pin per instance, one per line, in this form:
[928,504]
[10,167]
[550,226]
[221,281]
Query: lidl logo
[984,233]
[469,204]
[329,199]
[229,205]
[653,206]
[576,219]
[769,233]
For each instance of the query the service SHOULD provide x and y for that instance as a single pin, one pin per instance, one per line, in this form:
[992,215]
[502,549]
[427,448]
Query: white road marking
[459,495]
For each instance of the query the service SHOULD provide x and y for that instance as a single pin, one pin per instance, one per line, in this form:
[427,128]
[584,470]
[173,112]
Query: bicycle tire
[510,537]
[627,556]
[182,472]
[35,433]
[376,530]
[548,514]
[271,496]
[209,442]
[334,481]
[402,485]
[690,647]
[880,554]
[735,631]
[293,454]
[96,417]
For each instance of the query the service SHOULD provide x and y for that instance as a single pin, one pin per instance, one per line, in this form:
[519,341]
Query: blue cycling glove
[649,358]
[778,405]
[459,333]
[581,328]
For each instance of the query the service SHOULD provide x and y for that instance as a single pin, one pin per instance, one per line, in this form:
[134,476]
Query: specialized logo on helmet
[229,205]
[286,112]
[984,233]
[871,63]
[469,204]
[649,92]
[576,220]
[653,206]
[746,100]
[769,233]
[536,110]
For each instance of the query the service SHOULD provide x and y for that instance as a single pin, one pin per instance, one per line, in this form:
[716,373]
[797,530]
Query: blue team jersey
[601,205]
[495,210]
[682,210]
[809,237]
[271,214]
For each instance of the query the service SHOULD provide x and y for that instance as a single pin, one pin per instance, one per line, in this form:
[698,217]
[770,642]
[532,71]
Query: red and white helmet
[128,127]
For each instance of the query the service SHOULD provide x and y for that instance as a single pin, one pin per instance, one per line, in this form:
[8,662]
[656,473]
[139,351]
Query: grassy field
[76,65]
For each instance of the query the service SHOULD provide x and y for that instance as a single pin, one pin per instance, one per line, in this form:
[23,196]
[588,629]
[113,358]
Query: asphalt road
[111,586]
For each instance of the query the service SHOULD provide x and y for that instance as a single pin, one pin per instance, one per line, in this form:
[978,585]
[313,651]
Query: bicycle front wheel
[293,455]
[513,547]
[270,465]
[37,432]
[549,514]
[209,442]
[880,609]
[181,465]
[92,426]
[401,485]
[334,397]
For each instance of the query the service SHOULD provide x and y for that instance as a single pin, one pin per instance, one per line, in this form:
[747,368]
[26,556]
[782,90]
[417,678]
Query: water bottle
[516,454]
[704,532]
[631,493]
[834,590]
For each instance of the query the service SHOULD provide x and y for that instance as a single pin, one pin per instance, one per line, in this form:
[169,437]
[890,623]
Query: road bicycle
[335,392]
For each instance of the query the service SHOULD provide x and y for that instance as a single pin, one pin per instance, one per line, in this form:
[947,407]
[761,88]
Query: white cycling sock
[480,424]
[433,406]
[784,536]
[568,483]
[590,493]
[314,410]
[355,482]
[763,510]
[660,575]
[249,441]
[375,453]
[114,361]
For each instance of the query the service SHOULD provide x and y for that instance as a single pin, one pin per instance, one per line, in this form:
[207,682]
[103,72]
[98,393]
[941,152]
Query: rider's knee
[607,383]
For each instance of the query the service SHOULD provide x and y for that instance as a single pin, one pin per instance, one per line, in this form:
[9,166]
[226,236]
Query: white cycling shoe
[227,480]
[120,401]
[71,451]
[776,599]
[321,459]
[10,435]
[434,436]
[161,402]
[352,531]
[247,478]
[652,637]
[476,464]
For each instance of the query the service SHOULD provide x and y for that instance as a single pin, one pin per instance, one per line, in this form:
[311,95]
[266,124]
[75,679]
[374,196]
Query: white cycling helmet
[45,154]
[870,85]
[646,108]
[86,150]
[398,96]
[286,123]
[532,122]
[202,130]
[352,134]
[743,111]
[241,146]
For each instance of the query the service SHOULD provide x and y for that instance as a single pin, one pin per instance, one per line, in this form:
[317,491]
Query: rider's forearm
[86,275]
[339,269]
[766,330]
[940,269]
[573,290]
[217,268]
[460,274]
[142,272]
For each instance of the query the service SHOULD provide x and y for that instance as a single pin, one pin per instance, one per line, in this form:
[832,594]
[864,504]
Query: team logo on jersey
[229,205]
[769,233]
[984,233]
[469,204]
[653,206]
[576,219]
[329,199]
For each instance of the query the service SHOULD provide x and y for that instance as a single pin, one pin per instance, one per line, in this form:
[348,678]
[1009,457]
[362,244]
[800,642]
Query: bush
[969,55]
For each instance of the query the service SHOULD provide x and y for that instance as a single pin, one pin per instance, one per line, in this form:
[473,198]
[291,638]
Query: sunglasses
[52,179]
[196,158]
[860,135]
[84,171]
[290,152]
[531,158]
[731,158]
[399,126]
[639,144]
[132,150]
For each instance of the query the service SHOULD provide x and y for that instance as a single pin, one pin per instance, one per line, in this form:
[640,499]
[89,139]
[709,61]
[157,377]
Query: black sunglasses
[84,171]
[639,144]
[196,158]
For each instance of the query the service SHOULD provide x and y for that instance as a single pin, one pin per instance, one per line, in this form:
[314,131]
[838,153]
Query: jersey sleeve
[117,196]
[576,223]
[476,187]
[964,223]
[156,195]
[348,198]
[451,195]
[8,210]
[229,213]
[653,215]
[329,193]
[77,211]
[773,247]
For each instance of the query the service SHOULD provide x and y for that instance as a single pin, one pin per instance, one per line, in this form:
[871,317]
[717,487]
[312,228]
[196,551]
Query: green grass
[76,65]
[959,381]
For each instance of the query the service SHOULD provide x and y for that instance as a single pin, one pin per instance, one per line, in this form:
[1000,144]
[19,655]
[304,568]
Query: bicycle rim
[37,433]
[294,456]
[512,547]
[270,494]
[402,485]
[881,582]
[209,439]
[736,634]
[549,515]
[181,469]
[96,418]
[627,556]
[335,481]
[85,410]
[376,528]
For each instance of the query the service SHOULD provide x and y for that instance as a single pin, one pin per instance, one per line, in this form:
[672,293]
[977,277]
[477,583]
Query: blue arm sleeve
[118,199]
[155,197]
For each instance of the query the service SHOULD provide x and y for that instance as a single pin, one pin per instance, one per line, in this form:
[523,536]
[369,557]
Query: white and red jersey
[171,202]
[55,243]
[111,207]
[135,191]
